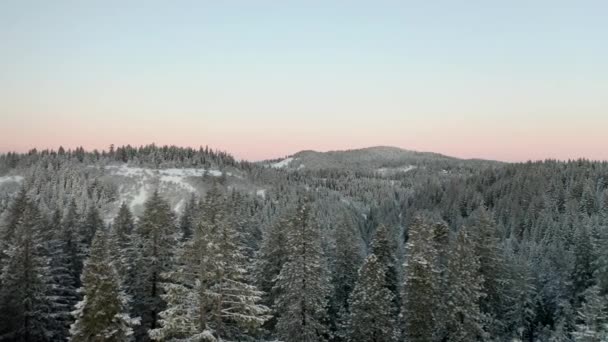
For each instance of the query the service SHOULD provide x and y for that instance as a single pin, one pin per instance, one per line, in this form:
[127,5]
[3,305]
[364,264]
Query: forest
[441,250]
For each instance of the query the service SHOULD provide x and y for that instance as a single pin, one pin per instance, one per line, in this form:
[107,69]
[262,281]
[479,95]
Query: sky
[504,80]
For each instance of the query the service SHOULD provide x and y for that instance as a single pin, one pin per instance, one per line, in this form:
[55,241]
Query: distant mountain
[378,158]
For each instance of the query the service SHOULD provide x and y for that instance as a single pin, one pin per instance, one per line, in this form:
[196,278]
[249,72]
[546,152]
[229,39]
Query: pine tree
[584,256]
[420,286]
[600,264]
[121,237]
[155,239]
[464,318]
[348,259]
[593,316]
[303,290]
[89,226]
[383,247]
[269,261]
[371,318]
[440,237]
[123,223]
[65,285]
[484,233]
[187,219]
[102,315]
[209,296]
[25,296]
[520,294]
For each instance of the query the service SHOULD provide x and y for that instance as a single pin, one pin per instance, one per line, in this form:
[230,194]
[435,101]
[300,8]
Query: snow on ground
[282,164]
[175,184]
[140,197]
[384,171]
[11,179]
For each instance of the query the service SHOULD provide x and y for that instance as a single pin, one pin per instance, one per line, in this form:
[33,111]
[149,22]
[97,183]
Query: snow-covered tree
[484,234]
[347,260]
[102,315]
[26,291]
[420,286]
[270,259]
[187,220]
[65,284]
[302,285]
[155,239]
[124,250]
[91,223]
[371,316]
[593,317]
[464,318]
[208,295]
[383,247]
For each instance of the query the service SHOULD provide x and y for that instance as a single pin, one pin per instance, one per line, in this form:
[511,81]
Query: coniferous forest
[177,244]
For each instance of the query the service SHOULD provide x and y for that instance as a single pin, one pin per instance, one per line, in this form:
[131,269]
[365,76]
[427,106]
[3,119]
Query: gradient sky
[507,80]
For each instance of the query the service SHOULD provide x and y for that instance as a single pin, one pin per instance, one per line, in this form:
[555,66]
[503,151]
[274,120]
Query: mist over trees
[394,247]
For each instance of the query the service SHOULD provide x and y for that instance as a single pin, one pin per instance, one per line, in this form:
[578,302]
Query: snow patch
[282,164]
[384,170]
[175,183]
[11,179]
[140,198]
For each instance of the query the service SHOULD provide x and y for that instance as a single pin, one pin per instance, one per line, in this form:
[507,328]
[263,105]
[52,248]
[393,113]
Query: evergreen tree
[187,219]
[600,264]
[25,296]
[484,234]
[420,287]
[593,326]
[123,223]
[270,260]
[64,290]
[303,289]
[124,251]
[383,247]
[209,296]
[155,239]
[464,318]
[584,256]
[344,276]
[520,294]
[371,317]
[102,315]
[88,227]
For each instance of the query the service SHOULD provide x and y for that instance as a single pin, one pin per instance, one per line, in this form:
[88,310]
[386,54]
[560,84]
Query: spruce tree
[384,247]
[102,315]
[464,318]
[347,260]
[187,219]
[208,295]
[269,261]
[371,317]
[65,284]
[155,239]
[124,250]
[584,256]
[593,318]
[484,234]
[26,292]
[420,286]
[302,285]
[88,227]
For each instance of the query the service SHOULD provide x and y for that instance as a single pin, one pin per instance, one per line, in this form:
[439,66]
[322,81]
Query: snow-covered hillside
[136,184]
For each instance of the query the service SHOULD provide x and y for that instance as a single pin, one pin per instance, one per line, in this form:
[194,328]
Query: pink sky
[520,81]
[265,139]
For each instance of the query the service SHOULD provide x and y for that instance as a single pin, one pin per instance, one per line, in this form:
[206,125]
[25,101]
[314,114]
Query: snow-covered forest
[380,244]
